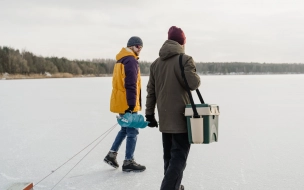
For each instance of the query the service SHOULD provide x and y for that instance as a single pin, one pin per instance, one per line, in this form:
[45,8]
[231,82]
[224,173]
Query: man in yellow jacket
[126,97]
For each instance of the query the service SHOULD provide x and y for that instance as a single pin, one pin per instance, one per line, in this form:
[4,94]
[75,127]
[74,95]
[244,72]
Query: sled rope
[107,133]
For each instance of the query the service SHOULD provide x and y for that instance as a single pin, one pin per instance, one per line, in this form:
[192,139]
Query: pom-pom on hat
[177,35]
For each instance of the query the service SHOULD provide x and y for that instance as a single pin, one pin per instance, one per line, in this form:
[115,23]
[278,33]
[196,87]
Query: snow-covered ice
[44,122]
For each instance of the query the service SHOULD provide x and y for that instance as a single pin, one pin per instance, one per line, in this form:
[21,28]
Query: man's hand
[152,121]
[130,109]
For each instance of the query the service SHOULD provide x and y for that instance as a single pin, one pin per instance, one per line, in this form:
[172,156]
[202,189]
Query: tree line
[15,62]
[250,68]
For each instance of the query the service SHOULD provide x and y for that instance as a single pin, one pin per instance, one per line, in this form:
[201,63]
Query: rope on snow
[107,133]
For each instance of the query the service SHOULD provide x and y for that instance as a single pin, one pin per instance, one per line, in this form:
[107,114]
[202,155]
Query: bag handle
[188,89]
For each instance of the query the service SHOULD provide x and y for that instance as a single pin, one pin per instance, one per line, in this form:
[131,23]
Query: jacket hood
[169,49]
[125,52]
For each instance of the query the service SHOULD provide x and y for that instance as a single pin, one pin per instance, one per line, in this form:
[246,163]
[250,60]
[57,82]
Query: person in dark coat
[167,90]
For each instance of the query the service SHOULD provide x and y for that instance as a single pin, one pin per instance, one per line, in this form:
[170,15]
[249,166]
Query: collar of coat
[126,52]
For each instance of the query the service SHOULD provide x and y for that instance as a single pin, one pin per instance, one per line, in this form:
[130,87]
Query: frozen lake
[44,122]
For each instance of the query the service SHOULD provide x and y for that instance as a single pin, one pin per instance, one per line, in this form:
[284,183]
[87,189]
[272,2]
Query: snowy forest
[12,61]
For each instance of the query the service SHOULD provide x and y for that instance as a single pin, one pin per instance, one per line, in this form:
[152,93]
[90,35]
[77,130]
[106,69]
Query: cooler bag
[205,128]
[202,119]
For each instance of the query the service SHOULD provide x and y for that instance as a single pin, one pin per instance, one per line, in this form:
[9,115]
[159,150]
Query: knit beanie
[134,40]
[177,35]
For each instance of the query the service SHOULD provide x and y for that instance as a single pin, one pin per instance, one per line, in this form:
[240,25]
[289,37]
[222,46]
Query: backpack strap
[195,114]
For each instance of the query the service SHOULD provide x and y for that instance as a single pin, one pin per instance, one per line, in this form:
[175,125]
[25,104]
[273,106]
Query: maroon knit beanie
[177,35]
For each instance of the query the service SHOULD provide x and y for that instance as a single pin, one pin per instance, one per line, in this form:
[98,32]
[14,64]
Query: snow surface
[44,122]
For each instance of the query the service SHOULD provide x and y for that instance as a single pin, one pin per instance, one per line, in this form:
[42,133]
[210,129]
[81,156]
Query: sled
[21,186]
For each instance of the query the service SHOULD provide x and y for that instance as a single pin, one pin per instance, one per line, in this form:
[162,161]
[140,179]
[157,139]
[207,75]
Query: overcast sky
[216,30]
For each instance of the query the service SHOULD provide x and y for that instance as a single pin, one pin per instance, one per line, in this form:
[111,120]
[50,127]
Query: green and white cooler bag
[202,130]
[202,119]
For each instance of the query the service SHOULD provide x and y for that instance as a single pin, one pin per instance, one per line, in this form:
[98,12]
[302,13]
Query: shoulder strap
[188,89]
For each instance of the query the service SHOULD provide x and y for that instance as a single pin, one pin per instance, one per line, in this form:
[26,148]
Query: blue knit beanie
[134,40]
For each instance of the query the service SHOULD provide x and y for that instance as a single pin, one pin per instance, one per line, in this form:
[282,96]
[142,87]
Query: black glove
[130,109]
[152,121]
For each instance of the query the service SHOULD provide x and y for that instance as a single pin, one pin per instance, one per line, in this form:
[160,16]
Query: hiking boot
[111,159]
[181,187]
[132,166]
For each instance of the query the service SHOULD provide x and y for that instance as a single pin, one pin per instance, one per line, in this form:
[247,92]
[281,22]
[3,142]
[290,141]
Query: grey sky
[216,30]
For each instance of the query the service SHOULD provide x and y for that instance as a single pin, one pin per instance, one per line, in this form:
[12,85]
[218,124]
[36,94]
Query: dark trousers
[176,149]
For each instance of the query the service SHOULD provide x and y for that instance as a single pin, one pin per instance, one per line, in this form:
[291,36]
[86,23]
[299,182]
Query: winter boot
[132,166]
[181,187]
[111,159]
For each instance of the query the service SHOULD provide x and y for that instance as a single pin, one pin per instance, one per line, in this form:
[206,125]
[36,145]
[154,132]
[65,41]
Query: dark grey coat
[166,87]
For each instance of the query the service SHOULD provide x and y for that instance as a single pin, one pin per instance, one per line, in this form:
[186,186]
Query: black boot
[132,166]
[182,187]
[111,159]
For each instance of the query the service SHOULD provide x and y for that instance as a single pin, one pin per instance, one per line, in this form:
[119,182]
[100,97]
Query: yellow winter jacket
[126,82]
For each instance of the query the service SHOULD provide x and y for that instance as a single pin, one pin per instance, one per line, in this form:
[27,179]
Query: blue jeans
[131,134]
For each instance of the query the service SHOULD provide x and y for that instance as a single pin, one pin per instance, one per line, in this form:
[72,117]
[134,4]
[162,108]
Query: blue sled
[132,120]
